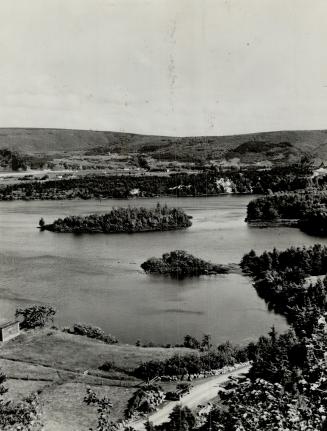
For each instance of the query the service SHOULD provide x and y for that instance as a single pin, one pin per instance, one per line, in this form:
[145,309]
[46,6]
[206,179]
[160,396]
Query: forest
[286,205]
[307,208]
[281,279]
[209,182]
[180,264]
[129,220]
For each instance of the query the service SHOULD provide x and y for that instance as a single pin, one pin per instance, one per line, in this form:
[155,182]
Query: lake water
[97,278]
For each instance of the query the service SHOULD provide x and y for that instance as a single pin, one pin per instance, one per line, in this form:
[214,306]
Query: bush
[107,366]
[92,332]
[35,316]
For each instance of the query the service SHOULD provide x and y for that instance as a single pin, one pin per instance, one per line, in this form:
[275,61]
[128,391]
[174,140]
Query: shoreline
[273,223]
[66,198]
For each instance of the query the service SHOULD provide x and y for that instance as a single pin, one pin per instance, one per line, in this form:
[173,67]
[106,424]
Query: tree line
[307,207]
[205,183]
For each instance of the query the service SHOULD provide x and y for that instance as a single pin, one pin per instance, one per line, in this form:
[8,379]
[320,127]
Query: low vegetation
[181,264]
[130,220]
[91,332]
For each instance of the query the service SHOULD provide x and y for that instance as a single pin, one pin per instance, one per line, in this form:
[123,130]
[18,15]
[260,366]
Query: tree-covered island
[181,264]
[129,220]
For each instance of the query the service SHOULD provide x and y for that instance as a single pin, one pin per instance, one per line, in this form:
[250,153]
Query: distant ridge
[280,145]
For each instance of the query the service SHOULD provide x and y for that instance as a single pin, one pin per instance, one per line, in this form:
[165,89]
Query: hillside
[275,146]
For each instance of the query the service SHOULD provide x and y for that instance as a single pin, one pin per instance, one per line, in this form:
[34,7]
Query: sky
[166,67]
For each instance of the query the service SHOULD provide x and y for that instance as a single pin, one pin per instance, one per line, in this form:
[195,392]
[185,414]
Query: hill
[280,146]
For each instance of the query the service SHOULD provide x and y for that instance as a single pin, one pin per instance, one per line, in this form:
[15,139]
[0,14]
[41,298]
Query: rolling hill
[280,146]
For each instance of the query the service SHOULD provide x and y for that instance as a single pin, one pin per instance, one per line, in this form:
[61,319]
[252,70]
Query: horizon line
[163,135]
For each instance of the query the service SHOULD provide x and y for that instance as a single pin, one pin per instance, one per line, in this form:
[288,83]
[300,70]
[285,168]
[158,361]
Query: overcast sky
[174,67]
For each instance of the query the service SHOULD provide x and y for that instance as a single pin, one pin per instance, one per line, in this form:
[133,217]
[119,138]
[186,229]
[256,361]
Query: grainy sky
[176,67]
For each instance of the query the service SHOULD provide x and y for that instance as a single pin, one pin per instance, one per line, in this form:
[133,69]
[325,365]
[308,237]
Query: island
[129,220]
[181,264]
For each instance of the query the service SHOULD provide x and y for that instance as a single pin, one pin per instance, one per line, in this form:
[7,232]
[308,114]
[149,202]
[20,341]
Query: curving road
[199,394]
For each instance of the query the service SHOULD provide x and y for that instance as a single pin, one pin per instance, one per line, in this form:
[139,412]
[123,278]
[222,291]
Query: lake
[97,278]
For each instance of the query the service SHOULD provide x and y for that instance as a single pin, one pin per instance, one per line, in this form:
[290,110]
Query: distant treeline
[210,182]
[181,264]
[131,219]
[307,207]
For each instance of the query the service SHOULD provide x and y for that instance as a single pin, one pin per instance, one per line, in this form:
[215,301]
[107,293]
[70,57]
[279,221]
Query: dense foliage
[19,416]
[180,419]
[209,182]
[314,221]
[104,406]
[286,205]
[305,260]
[36,316]
[91,332]
[280,279]
[180,264]
[159,218]
[308,208]
[286,388]
[261,405]
[144,400]
[181,365]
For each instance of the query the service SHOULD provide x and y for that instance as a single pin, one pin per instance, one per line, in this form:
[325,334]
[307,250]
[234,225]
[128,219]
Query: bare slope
[284,145]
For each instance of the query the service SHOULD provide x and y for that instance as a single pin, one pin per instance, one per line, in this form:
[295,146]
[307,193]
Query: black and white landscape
[163,215]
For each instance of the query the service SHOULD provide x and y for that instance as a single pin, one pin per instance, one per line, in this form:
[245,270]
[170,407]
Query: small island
[181,264]
[128,220]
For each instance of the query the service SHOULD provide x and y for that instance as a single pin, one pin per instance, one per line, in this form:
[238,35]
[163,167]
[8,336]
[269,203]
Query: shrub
[92,332]
[35,316]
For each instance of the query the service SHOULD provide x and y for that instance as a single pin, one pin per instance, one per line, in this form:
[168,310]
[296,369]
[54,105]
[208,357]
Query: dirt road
[199,394]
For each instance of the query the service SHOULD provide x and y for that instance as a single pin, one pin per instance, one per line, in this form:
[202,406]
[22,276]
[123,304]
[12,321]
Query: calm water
[97,278]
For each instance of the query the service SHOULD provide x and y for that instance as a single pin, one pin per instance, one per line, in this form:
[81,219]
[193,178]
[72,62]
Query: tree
[143,163]
[191,342]
[206,342]
[104,406]
[35,316]
[181,419]
[19,416]
[149,426]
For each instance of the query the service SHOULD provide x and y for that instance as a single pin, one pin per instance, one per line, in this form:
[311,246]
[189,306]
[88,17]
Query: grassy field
[54,364]
[71,352]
